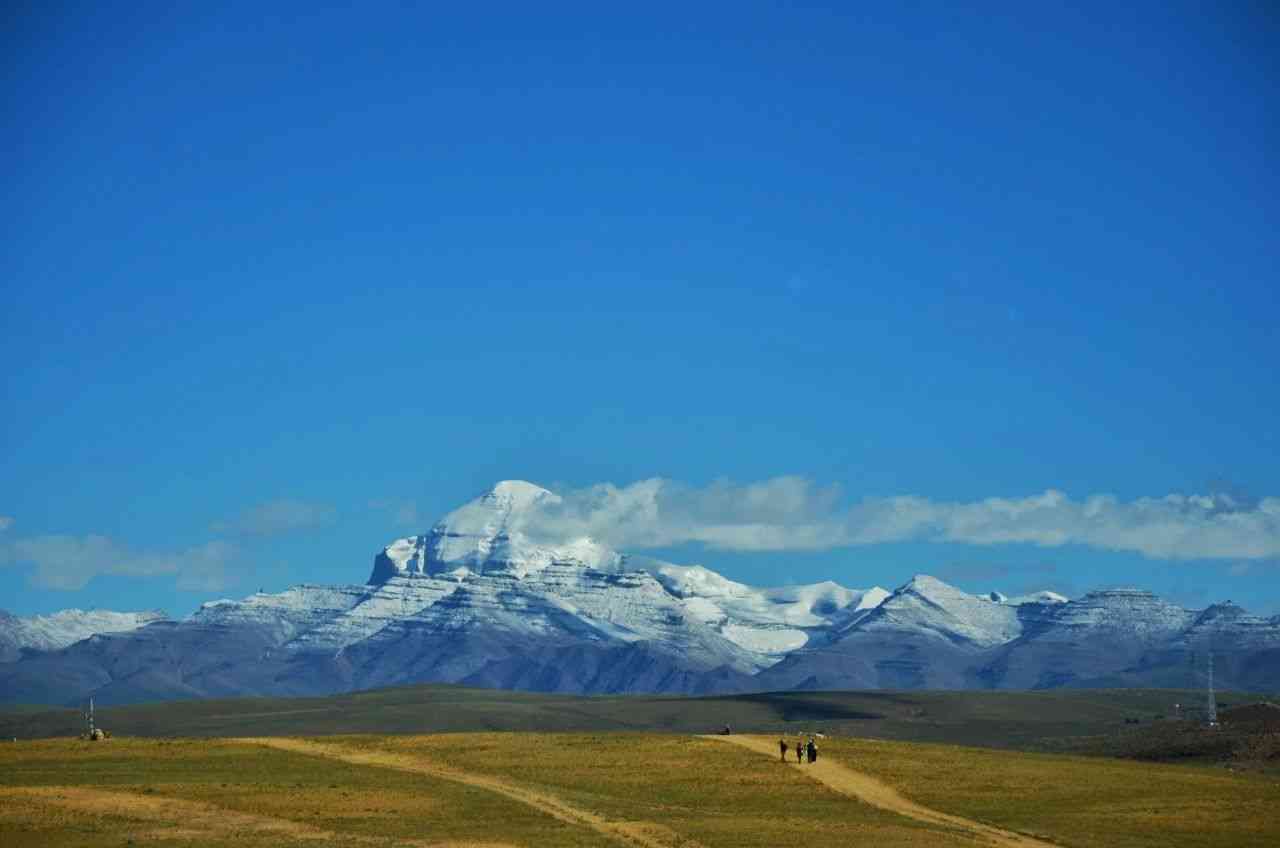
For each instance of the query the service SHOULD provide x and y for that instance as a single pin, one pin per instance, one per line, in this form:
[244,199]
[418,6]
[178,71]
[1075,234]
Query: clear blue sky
[367,260]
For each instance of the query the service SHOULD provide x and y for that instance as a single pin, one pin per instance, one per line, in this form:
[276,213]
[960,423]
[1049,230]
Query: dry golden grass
[702,790]
[352,803]
[571,790]
[1078,801]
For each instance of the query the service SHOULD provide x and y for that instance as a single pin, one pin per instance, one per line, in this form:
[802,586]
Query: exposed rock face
[483,599]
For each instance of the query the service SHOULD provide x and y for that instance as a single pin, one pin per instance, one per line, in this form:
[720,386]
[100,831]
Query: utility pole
[1213,698]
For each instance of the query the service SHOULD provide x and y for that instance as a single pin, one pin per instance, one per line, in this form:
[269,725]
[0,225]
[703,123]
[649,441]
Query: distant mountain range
[478,601]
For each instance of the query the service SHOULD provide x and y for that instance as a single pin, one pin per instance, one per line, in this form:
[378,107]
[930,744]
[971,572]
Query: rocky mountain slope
[479,600]
[928,635]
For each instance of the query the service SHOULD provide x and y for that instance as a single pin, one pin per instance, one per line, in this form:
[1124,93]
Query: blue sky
[281,286]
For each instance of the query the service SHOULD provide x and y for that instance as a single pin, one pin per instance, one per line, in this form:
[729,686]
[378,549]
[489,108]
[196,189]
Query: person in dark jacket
[813,751]
[782,750]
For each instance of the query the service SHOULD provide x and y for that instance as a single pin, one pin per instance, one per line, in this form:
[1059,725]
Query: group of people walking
[803,749]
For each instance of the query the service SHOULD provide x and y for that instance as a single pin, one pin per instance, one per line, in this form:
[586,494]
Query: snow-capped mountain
[488,536]
[1086,640]
[1228,623]
[928,606]
[931,635]
[60,629]
[486,540]
[486,598]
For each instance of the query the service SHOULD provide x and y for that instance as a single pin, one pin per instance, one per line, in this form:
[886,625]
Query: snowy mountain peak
[932,588]
[503,535]
[1220,614]
[489,535]
[927,606]
[518,494]
[873,597]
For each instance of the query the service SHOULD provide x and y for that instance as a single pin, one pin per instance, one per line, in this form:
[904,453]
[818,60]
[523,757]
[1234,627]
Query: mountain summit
[488,536]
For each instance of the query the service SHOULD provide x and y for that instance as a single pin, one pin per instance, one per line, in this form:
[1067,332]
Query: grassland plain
[71,793]
[553,789]
[1077,801]
[1046,720]
[701,792]
[1074,801]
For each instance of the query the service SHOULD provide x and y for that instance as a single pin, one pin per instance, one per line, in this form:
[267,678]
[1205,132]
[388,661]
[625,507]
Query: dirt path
[877,794]
[633,833]
[177,818]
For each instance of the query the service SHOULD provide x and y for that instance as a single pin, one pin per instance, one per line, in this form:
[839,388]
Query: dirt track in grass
[866,788]
[632,833]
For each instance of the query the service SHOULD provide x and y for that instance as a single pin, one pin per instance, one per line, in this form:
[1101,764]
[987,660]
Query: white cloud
[70,562]
[793,513]
[276,517]
[5,522]
[207,568]
[401,513]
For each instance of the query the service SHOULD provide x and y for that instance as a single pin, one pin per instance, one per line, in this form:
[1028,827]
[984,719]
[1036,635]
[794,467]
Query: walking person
[782,750]
[800,750]
[813,750]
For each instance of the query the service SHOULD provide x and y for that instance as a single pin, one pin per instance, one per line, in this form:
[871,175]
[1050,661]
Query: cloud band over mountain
[787,513]
[794,513]
[70,562]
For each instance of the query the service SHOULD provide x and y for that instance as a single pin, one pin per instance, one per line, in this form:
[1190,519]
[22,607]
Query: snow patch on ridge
[772,622]
[66,627]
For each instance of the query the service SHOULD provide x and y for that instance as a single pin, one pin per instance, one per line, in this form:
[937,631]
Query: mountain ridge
[479,600]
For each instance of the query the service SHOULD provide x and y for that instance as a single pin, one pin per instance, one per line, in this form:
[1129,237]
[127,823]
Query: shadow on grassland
[1018,720]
